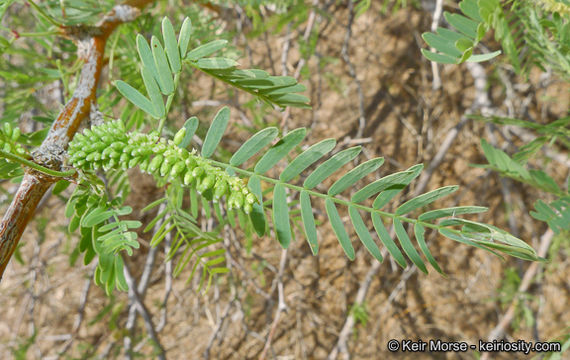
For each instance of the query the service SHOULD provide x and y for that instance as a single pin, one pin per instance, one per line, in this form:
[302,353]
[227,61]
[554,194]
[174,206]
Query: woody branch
[50,154]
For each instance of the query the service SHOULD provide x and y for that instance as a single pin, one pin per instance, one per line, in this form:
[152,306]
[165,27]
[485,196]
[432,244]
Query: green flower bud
[198,172]
[169,159]
[119,146]
[8,129]
[155,163]
[188,177]
[15,134]
[115,155]
[206,183]
[134,161]
[250,198]
[177,169]
[125,158]
[144,164]
[247,208]
[165,168]
[91,157]
[179,136]
[220,189]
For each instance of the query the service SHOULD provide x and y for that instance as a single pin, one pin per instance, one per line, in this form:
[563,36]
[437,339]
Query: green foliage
[557,213]
[199,248]
[96,208]
[457,47]
[529,35]
[161,69]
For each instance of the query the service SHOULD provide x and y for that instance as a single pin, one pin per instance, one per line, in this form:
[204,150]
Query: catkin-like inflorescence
[109,146]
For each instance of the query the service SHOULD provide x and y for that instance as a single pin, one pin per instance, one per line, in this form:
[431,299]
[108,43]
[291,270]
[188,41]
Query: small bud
[177,169]
[247,208]
[250,198]
[179,136]
[188,177]
[220,189]
[198,172]
[155,163]
[165,168]
[15,134]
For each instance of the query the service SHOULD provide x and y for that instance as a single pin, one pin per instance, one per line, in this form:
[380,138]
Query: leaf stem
[324,196]
[168,103]
[44,14]
[35,166]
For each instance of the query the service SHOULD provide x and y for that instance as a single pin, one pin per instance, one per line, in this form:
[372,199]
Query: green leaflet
[268,83]
[307,158]
[389,193]
[253,145]
[364,234]
[381,184]
[471,9]
[439,213]
[387,240]
[330,166]
[171,45]
[419,231]
[466,26]
[191,125]
[146,57]
[184,36]
[216,63]
[138,99]
[215,132]
[296,100]
[95,217]
[257,215]
[338,228]
[281,216]
[309,221]
[425,199]
[206,50]
[279,150]
[164,74]
[407,245]
[502,161]
[119,274]
[153,92]
[285,90]
[354,175]
[439,58]
[441,44]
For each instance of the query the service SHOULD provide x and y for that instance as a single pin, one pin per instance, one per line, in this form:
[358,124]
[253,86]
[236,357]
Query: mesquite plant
[250,186]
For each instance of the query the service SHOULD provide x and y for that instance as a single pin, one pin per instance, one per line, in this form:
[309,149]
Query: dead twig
[281,306]
[527,279]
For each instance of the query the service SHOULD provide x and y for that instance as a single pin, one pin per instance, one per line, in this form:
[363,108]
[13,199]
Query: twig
[527,279]
[141,288]
[135,298]
[167,283]
[352,70]
[302,61]
[35,184]
[434,24]
[282,306]
[481,102]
